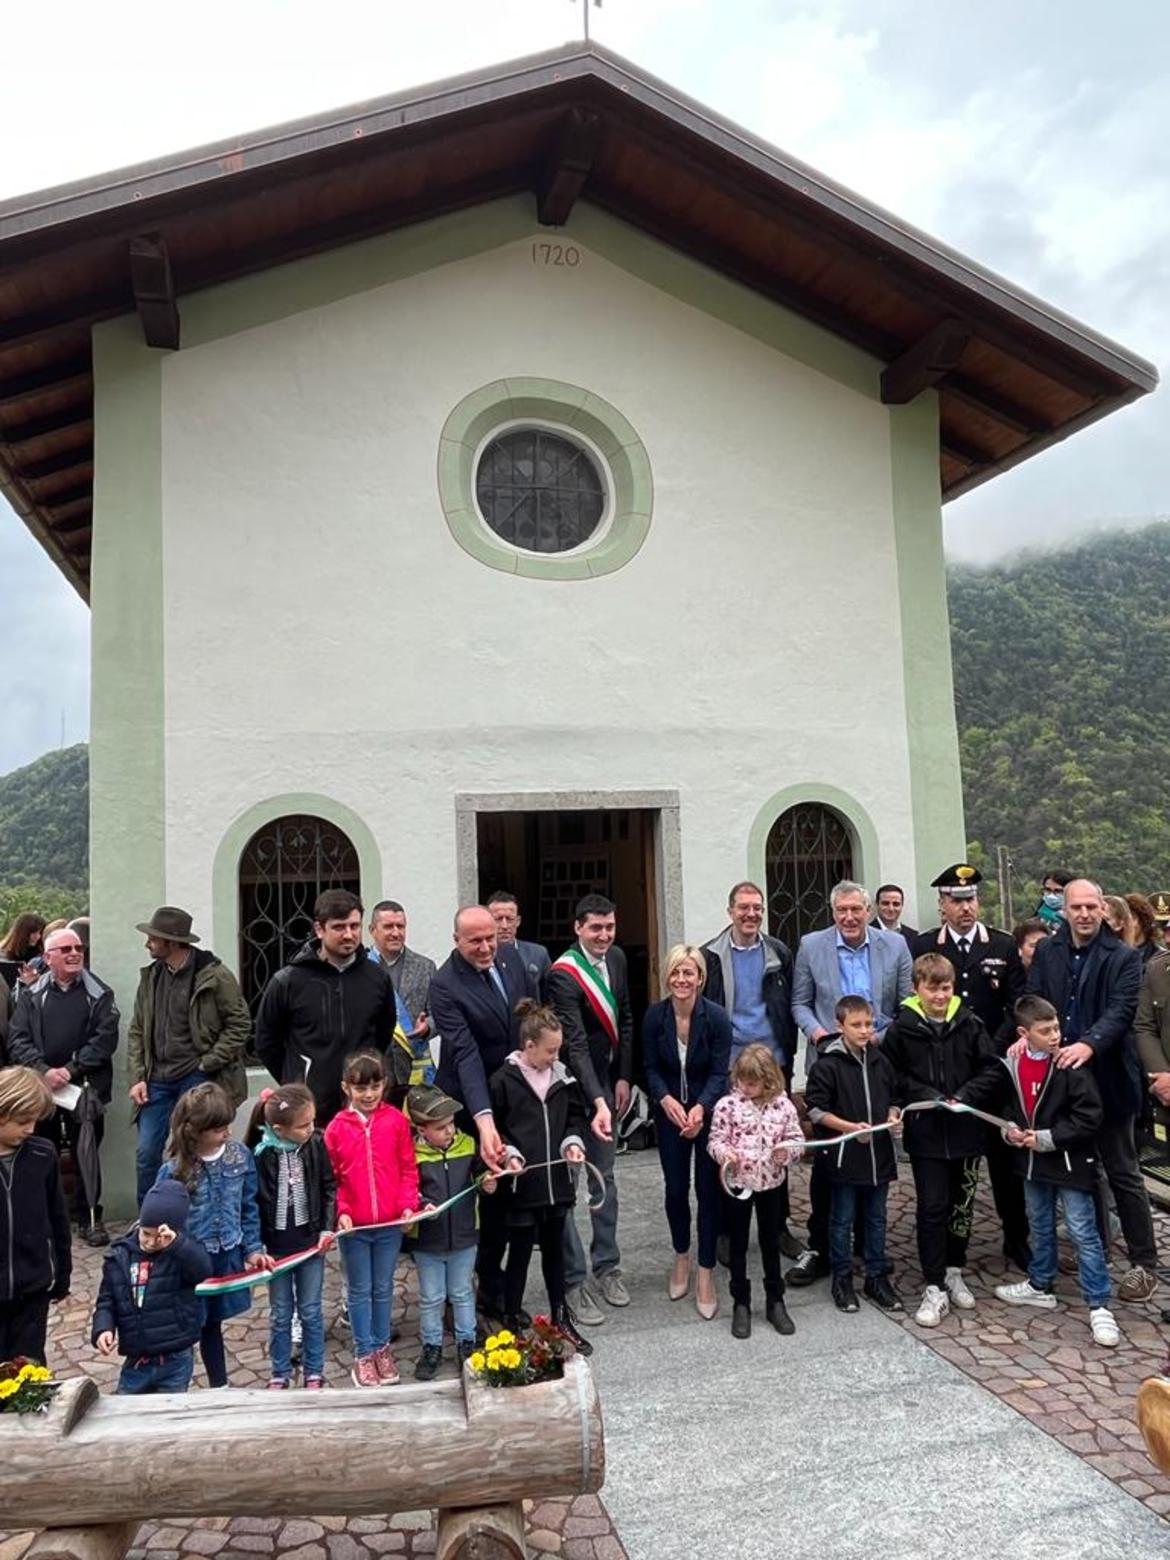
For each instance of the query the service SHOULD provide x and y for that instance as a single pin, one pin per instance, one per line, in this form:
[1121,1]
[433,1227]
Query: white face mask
[1053,901]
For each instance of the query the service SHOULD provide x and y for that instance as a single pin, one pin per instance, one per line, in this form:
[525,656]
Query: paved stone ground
[875,1426]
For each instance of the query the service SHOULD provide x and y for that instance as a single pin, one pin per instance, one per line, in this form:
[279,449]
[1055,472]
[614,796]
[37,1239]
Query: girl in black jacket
[540,1114]
[297,1197]
[34,1222]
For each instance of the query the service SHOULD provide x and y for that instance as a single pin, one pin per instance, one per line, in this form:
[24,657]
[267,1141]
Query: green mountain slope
[1062,682]
[44,834]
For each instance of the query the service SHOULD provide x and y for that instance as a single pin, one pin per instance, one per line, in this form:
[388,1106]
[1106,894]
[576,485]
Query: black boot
[566,1321]
[429,1361]
[882,1293]
[844,1294]
[741,1321]
[777,1313]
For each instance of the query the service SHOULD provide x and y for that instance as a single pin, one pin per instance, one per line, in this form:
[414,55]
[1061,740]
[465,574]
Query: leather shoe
[708,1308]
[807,1268]
[741,1322]
[777,1313]
[680,1278]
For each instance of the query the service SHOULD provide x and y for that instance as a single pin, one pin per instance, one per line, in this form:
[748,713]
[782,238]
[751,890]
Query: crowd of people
[464,1111]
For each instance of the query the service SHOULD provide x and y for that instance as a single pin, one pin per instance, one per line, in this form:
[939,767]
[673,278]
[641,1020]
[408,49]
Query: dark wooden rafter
[568,167]
[966,454]
[56,466]
[71,319]
[154,291]
[68,377]
[928,361]
[1009,414]
[55,503]
[42,427]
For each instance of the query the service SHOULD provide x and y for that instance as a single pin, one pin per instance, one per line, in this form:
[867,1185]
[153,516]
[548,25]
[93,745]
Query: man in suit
[848,959]
[473,1005]
[590,990]
[1093,980]
[990,980]
[505,909]
[888,904]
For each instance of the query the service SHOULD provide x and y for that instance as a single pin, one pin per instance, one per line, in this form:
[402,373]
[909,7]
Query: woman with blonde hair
[686,1047]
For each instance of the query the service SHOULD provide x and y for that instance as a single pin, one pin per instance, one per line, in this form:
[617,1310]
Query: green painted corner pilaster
[225,880]
[127,821]
[936,787]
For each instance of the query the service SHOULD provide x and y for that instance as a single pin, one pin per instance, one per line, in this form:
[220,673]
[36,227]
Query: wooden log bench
[91,1468]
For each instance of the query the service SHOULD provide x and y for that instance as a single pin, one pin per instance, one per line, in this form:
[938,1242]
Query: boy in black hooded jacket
[938,1047]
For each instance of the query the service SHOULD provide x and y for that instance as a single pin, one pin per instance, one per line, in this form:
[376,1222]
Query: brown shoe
[1138,1284]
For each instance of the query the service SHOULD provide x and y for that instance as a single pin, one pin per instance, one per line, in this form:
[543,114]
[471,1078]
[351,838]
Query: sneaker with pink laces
[314,1383]
[365,1371]
[387,1366]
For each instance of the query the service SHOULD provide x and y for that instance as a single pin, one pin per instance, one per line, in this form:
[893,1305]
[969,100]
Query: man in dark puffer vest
[147,1306]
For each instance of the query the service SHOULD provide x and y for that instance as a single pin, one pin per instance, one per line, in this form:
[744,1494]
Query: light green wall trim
[936,790]
[866,860]
[225,902]
[127,827]
[545,401]
[318,280]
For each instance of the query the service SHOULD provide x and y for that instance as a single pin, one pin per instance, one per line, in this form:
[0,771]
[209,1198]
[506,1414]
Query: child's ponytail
[276,1106]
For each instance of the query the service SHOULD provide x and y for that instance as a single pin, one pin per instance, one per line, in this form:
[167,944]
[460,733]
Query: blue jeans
[298,1290]
[847,1198]
[604,1256]
[1080,1217]
[369,1258]
[164,1373]
[154,1120]
[442,1276]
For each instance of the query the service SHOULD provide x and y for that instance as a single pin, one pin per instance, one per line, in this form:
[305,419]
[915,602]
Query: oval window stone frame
[541,401]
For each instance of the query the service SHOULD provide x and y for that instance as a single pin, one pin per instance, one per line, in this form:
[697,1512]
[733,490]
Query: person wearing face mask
[1050,910]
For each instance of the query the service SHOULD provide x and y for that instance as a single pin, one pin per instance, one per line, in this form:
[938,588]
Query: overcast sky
[1030,134]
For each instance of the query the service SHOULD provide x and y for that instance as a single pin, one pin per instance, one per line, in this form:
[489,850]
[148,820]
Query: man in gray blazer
[410,972]
[849,958]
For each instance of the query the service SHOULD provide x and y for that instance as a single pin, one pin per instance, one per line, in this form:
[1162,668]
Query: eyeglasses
[65,948]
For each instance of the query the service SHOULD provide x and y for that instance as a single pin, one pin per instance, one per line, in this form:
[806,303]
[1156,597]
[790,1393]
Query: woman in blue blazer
[686,1049]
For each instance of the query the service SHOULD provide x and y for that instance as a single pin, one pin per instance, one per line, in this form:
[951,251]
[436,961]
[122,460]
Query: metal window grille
[809,849]
[539,491]
[283,868]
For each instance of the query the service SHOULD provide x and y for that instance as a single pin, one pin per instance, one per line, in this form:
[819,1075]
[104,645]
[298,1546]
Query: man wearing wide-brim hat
[190,1025]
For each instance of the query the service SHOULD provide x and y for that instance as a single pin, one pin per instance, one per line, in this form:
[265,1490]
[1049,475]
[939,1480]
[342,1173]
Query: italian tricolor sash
[597,993]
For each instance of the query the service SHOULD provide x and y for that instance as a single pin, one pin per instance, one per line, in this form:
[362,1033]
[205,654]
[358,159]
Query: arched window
[283,867]
[809,848]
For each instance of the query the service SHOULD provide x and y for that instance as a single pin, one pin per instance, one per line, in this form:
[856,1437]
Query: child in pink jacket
[755,1135]
[372,1153]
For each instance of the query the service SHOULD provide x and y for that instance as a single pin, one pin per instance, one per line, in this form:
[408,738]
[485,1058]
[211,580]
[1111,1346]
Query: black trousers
[1117,1151]
[737,1218]
[23,1325]
[493,1242]
[547,1232]
[945,1189]
[1008,1190]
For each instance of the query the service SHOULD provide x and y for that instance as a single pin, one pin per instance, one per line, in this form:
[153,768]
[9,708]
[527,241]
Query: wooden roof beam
[568,167]
[73,374]
[55,466]
[989,403]
[41,427]
[930,359]
[154,291]
[966,454]
[57,503]
[78,316]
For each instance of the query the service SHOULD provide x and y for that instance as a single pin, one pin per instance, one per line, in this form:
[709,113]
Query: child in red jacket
[372,1154]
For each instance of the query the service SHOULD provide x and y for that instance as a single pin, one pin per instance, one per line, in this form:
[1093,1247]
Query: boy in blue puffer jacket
[147,1300]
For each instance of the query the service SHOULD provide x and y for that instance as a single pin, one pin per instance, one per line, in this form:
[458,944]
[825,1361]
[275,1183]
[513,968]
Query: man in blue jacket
[1093,980]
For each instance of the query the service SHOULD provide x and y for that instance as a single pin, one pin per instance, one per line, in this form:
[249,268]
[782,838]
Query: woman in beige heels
[686,1047]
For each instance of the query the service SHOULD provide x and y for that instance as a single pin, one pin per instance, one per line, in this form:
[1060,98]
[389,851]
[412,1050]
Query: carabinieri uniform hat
[958,882]
[1161,904]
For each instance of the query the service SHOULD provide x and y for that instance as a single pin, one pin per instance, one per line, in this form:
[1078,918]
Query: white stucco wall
[325,633]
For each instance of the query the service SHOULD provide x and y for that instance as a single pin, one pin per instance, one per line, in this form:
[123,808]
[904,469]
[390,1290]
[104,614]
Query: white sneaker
[1105,1330]
[1024,1294]
[961,1297]
[934,1307]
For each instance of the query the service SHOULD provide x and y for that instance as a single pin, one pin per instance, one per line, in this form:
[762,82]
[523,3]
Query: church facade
[521,541]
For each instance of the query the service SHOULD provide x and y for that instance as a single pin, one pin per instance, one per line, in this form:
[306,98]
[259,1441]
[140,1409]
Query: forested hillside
[1062,681]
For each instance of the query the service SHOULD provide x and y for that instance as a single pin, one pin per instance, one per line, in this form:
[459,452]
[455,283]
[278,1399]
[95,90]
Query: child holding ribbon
[220,1177]
[372,1155]
[755,1136]
[297,1196]
[540,1113]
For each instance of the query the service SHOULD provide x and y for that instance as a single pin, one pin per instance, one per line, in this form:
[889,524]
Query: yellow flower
[495,1360]
[477,1361]
[32,1373]
[7,1388]
[492,1343]
[504,1338]
[511,1359]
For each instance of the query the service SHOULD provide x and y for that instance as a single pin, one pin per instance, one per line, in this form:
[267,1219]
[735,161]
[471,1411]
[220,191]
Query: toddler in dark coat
[147,1307]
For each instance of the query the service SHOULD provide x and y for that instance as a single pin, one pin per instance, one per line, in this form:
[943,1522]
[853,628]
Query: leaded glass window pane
[539,491]
[808,851]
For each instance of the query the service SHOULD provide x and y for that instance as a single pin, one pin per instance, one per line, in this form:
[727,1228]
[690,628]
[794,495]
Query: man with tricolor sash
[589,988]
